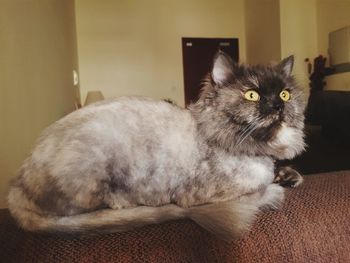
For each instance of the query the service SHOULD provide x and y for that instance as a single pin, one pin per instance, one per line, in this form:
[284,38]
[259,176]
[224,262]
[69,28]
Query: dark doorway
[197,55]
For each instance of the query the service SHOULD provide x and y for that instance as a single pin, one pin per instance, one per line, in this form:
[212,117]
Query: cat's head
[255,110]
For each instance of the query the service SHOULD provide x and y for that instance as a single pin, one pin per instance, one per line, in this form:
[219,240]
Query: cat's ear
[286,65]
[222,70]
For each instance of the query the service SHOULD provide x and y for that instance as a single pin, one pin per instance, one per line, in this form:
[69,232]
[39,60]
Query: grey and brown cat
[123,163]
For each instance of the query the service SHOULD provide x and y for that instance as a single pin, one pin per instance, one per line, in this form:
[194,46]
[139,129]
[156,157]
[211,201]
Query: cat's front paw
[288,177]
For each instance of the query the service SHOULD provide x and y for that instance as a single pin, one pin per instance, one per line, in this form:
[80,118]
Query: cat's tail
[227,219]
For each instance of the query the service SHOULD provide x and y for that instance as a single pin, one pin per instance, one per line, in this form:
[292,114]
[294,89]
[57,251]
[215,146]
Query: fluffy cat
[123,163]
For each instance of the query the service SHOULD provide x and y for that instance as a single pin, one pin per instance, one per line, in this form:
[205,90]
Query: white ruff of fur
[290,140]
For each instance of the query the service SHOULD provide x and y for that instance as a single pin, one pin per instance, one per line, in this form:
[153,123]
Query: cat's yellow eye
[285,95]
[252,95]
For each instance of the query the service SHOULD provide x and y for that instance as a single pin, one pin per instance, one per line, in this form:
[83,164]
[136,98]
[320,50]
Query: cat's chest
[246,173]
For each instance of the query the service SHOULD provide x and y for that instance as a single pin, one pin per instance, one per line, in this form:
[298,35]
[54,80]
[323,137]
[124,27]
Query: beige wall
[133,47]
[262,24]
[332,15]
[299,35]
[37,56]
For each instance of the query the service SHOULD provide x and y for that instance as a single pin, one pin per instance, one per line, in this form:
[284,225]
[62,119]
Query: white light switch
[75,78]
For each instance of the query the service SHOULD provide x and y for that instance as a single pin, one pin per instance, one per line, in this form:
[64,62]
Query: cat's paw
[288,177]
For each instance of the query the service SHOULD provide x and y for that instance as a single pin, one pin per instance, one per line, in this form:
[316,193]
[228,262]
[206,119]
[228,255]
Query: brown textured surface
[312,226]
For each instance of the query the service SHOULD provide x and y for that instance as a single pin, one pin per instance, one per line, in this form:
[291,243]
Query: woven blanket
[312,226]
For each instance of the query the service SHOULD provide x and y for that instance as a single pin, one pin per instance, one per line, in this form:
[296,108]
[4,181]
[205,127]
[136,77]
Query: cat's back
[123,128]
[128,115]
[136,113]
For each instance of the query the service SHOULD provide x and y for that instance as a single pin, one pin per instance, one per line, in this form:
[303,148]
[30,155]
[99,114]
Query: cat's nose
[271,106]
[277,106]
[274,105]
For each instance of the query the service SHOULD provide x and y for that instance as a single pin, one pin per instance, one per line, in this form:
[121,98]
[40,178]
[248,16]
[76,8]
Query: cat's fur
[122,163]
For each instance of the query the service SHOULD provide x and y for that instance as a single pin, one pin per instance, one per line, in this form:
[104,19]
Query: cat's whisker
[252,123]
[246,136]
[246,130]
[249,130]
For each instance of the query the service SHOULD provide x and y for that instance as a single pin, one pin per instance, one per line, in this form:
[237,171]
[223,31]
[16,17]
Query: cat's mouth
[268,127]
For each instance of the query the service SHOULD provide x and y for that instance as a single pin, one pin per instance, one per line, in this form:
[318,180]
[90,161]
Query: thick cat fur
[131,161]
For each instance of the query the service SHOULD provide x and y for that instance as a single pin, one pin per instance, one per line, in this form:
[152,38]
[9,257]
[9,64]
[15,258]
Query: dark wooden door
[197,55]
